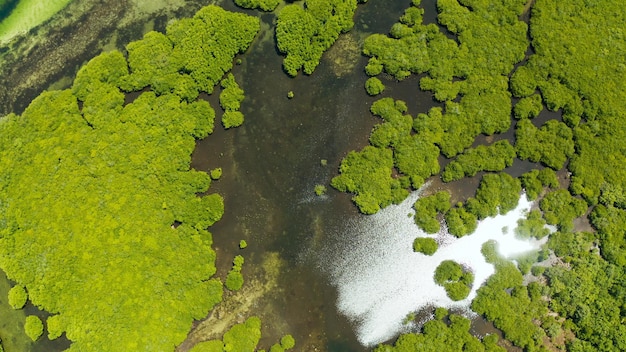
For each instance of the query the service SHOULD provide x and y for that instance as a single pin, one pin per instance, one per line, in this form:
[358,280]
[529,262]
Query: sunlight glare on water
[380,280]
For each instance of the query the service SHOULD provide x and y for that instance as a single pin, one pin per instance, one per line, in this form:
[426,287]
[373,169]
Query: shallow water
[380,280]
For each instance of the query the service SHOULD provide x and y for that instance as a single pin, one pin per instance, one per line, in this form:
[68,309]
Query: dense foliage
[495,157]
[460,221]
[368,173]
[265,5]
[234,279]
[468,75]
[512,306]
[304,33]
[427,208]
[532,227]
[560,208]
[33,327]
[425,245]
[535,180]
[496,194]
[91,187]
[374,86]
[577,67]
[192,56]
[551,144]
[231,97]
[455,279]
[17,297]
[447,332]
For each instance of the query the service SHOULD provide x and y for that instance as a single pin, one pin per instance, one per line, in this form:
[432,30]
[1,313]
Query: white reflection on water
[380,279]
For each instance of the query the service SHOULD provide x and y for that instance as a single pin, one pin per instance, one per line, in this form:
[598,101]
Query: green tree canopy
[304,33]
[427,208]
[33,327]
[17,297]
[425,245]
[91,186]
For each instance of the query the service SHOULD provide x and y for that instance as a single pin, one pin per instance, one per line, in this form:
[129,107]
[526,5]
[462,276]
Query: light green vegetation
[532,227]
[232,95]
[535,180]
[320,190]
[455,279]
[374,86]
[290,94]
[305,32]
[460,221]
[468,76]
[425,245]
[447,332]
[287,342]
[495,157]
[216,173]
[427,208]
[560,208]
[234,279]
[17,297]
[368,173]
[468,69]
[243,337]
[590,291]
[513,307]
[181,61]
[230,101]
[27,14]
[577,68]
[496,194]
[90,188]
[265,5]
[243,244]
[552,144]
[580,72]
[528,107]
[232,119]
[33,327]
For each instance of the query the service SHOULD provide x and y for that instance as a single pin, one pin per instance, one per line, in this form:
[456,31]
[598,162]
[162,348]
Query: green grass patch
[28,14]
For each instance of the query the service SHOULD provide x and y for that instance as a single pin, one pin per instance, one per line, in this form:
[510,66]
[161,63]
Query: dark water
[6,6]
[273,162]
